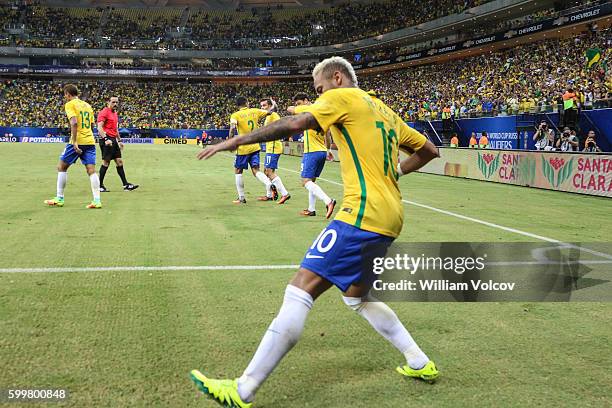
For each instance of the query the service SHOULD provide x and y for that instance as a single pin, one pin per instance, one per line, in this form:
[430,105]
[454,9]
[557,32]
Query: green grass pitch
[129,338]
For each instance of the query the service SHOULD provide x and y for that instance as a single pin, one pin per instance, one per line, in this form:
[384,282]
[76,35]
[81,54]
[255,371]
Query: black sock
[122,175]
[103,169]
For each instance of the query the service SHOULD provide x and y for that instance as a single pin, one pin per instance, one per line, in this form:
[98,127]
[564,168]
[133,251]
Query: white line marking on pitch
[149,268]
[260,267]
[487,223]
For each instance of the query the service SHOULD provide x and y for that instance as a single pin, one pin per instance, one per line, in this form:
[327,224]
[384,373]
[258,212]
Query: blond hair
[330,65]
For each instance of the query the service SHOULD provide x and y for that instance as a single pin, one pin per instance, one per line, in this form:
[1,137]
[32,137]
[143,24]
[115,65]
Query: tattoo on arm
[285,127]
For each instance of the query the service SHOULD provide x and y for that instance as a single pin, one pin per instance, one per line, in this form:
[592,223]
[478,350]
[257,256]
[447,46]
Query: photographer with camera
[590,146]
[568,142]
[544,137]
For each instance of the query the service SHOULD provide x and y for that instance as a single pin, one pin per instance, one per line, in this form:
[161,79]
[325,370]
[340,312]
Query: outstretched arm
[284,127]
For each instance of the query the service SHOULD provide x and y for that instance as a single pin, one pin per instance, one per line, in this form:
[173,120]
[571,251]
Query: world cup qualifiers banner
[577,173]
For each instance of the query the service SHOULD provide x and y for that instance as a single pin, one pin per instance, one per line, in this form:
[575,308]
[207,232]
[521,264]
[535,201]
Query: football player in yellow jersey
[369,135]
[242,122]
[273,151]
[82,145]
[313,161]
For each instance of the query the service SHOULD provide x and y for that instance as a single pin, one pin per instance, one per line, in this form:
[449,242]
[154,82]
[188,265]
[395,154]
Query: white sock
[62,178]
[95,186]
[280,186]
[264,179]
[386,323]
[282,335]
[240,185]
[312,201]
[318,192]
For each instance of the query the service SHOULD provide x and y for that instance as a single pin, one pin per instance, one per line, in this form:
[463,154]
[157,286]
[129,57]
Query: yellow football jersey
[368,135]
[313,141]
[275,147]
[247,120]
[85,120]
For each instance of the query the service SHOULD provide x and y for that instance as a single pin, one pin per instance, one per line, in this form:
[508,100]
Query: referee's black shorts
[110,152]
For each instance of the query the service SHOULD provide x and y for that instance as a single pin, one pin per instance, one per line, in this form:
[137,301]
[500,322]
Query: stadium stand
[144,28]
[347,22]
[528,78]
[153,29]
[139,28]
[60,27]
[143,105]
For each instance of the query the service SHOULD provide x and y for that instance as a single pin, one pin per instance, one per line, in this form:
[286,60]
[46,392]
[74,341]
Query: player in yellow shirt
[82,145]
[369,135]
[313,161]
[242,122]
[273,151]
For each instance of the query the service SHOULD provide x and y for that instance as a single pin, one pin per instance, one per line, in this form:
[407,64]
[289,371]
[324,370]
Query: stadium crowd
[270,28]
[346,22]
[528,78]
[141,104]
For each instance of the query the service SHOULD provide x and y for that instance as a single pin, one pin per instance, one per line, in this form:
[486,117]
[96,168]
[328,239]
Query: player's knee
[355,303]
[119,162]
[105,163]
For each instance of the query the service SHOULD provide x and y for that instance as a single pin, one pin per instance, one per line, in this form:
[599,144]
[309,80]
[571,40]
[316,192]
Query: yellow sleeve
[300,108]
[262,113]
[271,118]
[233,119]
[409,139]
[70,110]
[328,110]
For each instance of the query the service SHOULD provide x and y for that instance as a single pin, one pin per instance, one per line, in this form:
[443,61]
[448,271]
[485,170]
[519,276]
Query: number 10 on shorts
[325,241]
